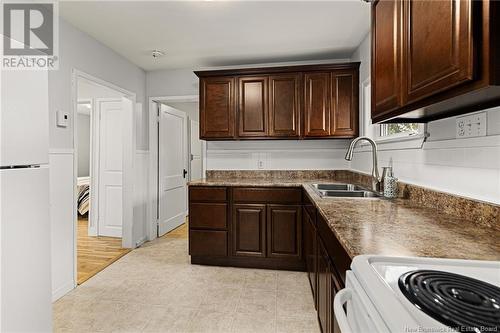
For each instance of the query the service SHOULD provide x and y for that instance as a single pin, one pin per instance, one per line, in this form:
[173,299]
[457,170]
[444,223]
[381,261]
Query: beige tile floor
[156,289]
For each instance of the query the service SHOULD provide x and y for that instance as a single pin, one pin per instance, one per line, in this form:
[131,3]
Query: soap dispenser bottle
[390,183]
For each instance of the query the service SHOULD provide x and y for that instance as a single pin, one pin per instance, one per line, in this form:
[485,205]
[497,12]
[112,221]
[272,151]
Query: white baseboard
[63,290]
[61,151]
[140,242]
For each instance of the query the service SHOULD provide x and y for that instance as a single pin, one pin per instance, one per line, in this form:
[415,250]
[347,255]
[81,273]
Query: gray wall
[177,82]
[77,50]
[83,144]
[191,108]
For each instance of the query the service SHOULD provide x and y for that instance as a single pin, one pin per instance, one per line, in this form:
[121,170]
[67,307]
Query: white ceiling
[197,34]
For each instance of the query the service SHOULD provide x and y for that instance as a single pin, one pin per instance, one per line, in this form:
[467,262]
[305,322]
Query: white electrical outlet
[261,161]
[472,125]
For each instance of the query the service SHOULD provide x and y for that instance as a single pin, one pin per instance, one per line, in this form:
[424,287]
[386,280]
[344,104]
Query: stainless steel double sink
[343,191]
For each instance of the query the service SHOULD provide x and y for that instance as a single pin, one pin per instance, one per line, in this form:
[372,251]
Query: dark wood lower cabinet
[249,230]
[275,228]
[262,227]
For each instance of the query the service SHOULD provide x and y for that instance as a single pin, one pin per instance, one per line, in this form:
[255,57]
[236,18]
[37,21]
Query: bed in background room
[83,195]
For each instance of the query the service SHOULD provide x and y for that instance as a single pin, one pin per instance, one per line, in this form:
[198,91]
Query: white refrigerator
[25,274]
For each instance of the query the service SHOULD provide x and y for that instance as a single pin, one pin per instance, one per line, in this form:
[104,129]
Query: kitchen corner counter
[388,227]
[399,228]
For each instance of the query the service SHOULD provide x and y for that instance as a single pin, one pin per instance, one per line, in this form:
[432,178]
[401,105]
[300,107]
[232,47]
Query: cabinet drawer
[208,215]
[208,243]
[207,194]
[267,195]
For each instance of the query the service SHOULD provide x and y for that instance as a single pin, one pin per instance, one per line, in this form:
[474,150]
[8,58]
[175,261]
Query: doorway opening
[177,157]
[100,124]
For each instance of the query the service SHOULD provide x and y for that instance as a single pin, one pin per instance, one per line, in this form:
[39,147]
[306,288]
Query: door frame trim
[128,161]
[93,167]
[151,229]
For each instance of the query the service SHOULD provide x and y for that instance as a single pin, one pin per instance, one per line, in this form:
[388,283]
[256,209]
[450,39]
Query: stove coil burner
[460,302]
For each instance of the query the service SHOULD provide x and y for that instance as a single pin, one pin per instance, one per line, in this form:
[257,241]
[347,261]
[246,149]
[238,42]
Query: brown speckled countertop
[388,227]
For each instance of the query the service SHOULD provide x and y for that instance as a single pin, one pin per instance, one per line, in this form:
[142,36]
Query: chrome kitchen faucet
[376,181]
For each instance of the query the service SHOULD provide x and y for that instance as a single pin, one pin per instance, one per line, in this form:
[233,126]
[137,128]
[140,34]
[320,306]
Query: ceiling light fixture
[157,53]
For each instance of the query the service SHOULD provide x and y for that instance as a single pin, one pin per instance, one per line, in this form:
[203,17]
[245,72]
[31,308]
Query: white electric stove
[405,294]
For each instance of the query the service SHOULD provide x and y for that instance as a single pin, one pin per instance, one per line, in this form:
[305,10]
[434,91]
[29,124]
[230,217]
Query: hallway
[155,289]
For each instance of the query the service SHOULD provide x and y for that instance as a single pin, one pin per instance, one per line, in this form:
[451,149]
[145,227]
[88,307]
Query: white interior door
[195,165]
[172,169]
[110,206]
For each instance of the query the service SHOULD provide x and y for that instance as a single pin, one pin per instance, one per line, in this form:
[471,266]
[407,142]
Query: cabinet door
[253,106]
[317,104]
[335,286]
[284,105]
[438,46]
[284,231]
[345,105]
[249,233]
[217,107]
[324,277]
[386,56]
[310,251]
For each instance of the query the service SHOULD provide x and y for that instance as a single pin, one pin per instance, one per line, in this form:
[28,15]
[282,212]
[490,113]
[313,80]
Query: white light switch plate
[62,119]
[472,125]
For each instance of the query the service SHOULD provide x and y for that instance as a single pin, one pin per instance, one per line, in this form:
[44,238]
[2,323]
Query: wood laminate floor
[180,232]
[94,253]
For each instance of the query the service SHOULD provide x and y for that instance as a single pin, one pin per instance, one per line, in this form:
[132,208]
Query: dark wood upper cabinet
[253,106]
[293,102]
[434,59]
[249,230]
[386,50]
[344,104]
[217,107]
[284,231]
[438,46]
[317,104]
[284,105]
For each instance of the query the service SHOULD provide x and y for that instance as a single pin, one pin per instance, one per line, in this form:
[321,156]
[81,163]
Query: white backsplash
[276,155]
